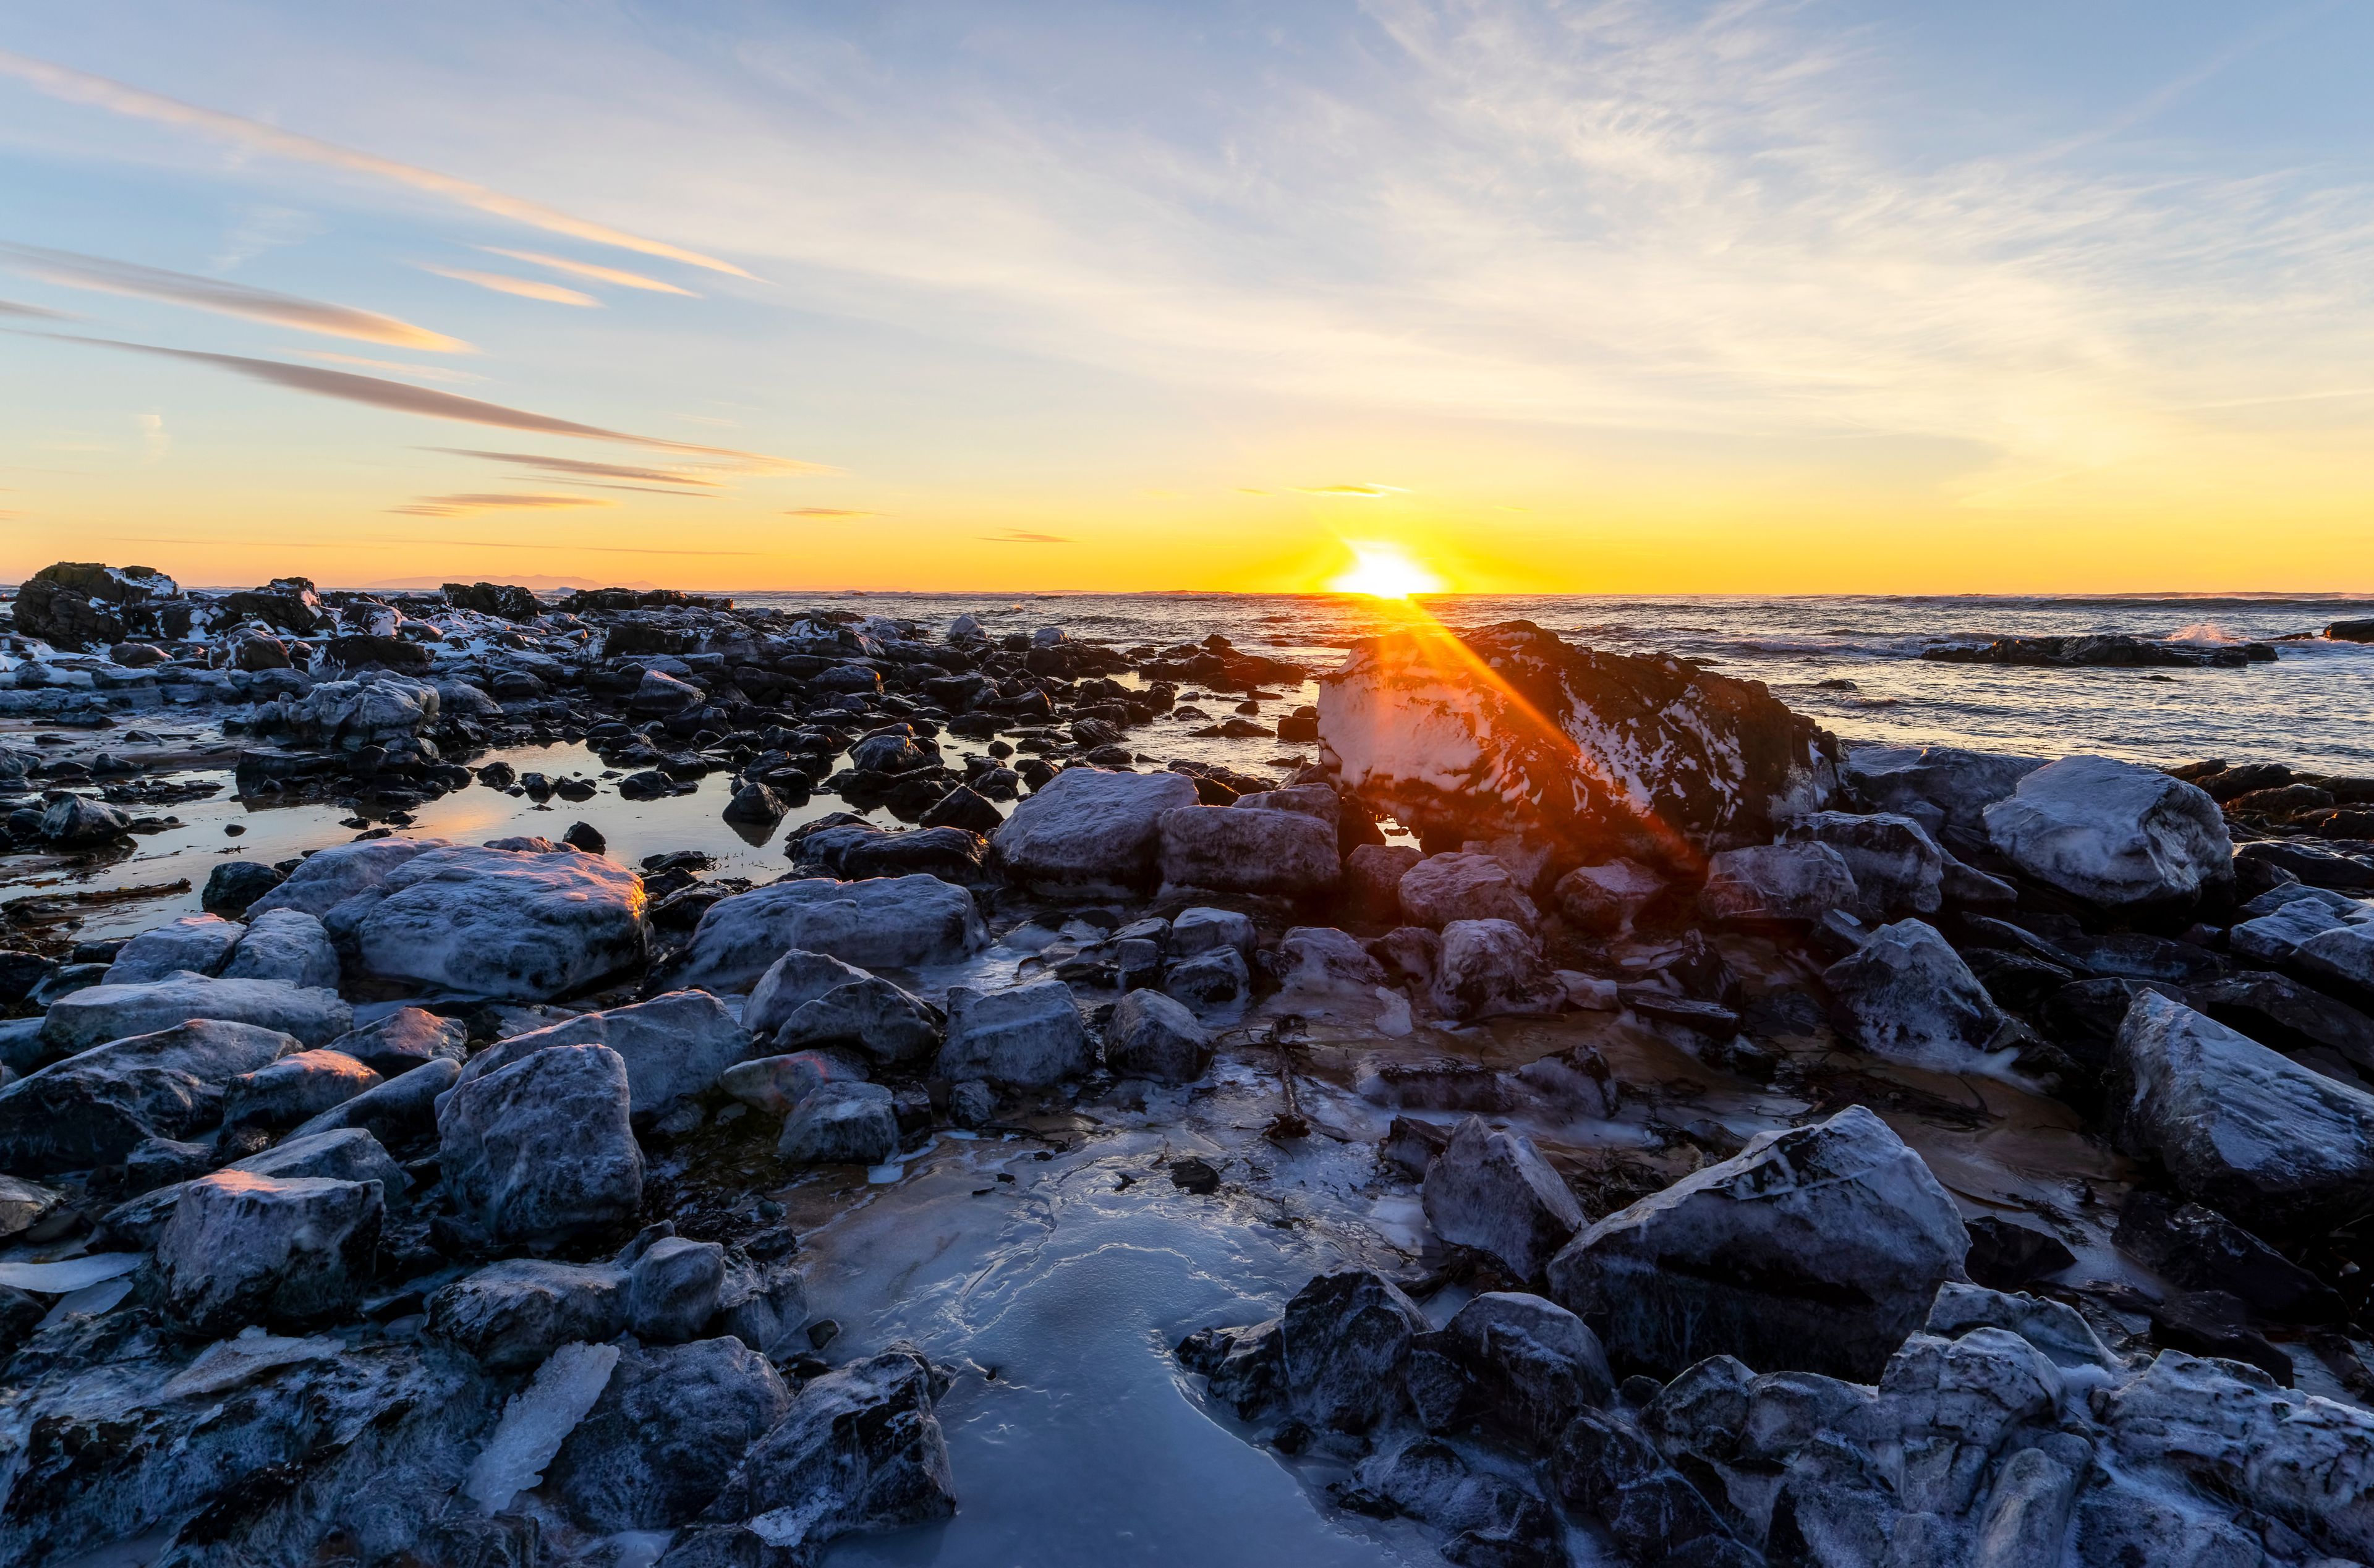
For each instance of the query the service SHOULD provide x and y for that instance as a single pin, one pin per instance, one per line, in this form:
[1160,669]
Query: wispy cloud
[431,404]
[588,270]
[525,287]
[456,506]
[79,87]
[1017,536]
[105,276]
[32,312]
[575,465]
[424,372]
[828,511]
[1357,492]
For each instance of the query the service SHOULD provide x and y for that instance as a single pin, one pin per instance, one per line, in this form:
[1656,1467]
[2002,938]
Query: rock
[1443,888]
[514,1314]
[1908,995]
[880,923]
[2120,1525]
[1606,1472]
[1575,1080]
[75,602]
[1949,1404]
[2006,1257]
[672,1290]
[776,1084]
[1791,882]
[1896,865]
[199,943]
[674,1046]
[890,1026]
[1816,1249]
[348,1154]
[860,1452]
[542,1148]
[1489,1519]
[1203,930]
[297,1087]
[397,1110]
[374,710]
[1341,1347]
[93,1108]
[288,1251]
[404,1039]
[232,886]
[2343,959]
[668,1430]
[664,694]
[2318,865]
[1322,959]
[1152,1035]
[2054,1328]
[495,923]
[288,945]
[1372,879]
[1603,901]
[323,882]
[1493,1192]
[1230,849]
[2285,1149]
[792,982]
[1492,969]
[1090,831]
[963,809]
[1028,1037]
[1509,731]
[2198,1249]
[73,822]
[1940,787]
[1519,1364]
[507,600]
[2305,1461]
[103,1012]
[2114,834]
[840,1123]
[1210,981]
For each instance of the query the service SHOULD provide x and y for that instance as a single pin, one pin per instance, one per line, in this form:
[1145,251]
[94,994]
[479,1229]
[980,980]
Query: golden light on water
[1384,571]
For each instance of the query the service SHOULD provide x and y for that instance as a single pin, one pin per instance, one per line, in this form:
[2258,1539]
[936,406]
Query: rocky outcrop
[2113,834]
[1509,731]
[78,603]
[523,926]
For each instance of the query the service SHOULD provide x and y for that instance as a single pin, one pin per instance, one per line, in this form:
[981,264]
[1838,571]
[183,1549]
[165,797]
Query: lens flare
[1384,571]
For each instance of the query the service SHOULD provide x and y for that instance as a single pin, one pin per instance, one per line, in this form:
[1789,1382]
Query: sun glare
[1384,571]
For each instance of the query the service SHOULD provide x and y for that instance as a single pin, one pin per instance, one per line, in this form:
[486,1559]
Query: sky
[1662,297]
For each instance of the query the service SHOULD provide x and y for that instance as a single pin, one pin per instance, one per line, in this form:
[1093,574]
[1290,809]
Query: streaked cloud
[32,312]
[404,399]
[1356,492]
[575,465]
[828,511]
[80,87]
[1017,536]
[71,269]
[525,287]
[587,269]
[457,506]
[425,372]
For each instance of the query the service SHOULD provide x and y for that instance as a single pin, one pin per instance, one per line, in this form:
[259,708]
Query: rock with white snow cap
[1939,787]
[2114,834]
[99,1013]
[1028,1037]
[1493,1192]
[95,1107]
[542,1148]
[375,709]
[242,1248]
[877,923]
[1604,900]
[1090,831]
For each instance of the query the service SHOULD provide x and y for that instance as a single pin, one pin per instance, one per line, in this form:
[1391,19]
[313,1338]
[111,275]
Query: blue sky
[1620,296]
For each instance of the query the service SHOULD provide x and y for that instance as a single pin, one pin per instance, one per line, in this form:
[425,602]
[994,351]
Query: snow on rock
[1907,994]
[1090,831]
[1229,850]
[675,1046]
[95,1107]
[199,943]
[99,1013]
[536,1422]
[497,924]
[1509,731]
[2283,1150]
[542,1148]
[2114,834]
[243,1249]
[1493,1192]
[1896,866]
[1818,1247]
[878,923]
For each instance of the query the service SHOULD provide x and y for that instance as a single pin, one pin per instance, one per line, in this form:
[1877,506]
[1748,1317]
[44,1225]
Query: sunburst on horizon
[1384,571]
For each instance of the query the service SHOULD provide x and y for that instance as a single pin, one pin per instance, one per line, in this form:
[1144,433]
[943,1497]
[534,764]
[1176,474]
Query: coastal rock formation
[2113,833]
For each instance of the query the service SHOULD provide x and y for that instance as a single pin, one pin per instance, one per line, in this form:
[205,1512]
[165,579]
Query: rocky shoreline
[1810,1154]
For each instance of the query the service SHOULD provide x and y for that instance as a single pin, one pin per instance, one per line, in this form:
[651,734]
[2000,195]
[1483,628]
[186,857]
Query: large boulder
[1770,883]
[1907,994]
[75,602]
[518,925]
[243,1249]
[879,923]
[373,710]
[1493,969]
[666,1433]
[199,943]
[542,1149]
[1233,850]
[1493,1192]
[1897,864]
[332,884]
[1942,788]
[1509,731]
[1443,888]
[1817,1248]
[2114,834]
[675,1046]
[1090,831]
[95,1107]
[2284,1150]
[288,945]
[1028,1037]
[102,1013]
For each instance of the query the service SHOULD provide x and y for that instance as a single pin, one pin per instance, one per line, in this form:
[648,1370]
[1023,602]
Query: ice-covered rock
[536,1422]
[1509,731]
[1443,888]
[1604,900]
[1233,850]
[858,1452]
[1492,969]
[1517,1364]
[1907,994]
[499,923]
[404,1039]
[1493,1192]
[672,1290]
[542,1148]
[1213,981]
[880,923]
[346,1155]
[1341,1345]
[1818,1247]
[199,943]
[325,880]
[675,1046]
[374,710]
[1028,1037]
[97,1107]
[840,1123]
[2283,1149]
[670,1426]
[99,1013]
[512,1313]
[285,944]
[1153,1035]
[297,1088]
[1897,864]
[1793,881]
[243,1249]
[1318,959]
[1203,930]
[1939,787]
[1090,831]
[2115,834]
[398,1109]
[2052,1327]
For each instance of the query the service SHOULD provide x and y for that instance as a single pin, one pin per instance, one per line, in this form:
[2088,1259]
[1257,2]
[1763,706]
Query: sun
[1384,571]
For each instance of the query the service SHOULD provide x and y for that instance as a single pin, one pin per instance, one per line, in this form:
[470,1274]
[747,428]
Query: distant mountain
[539,582]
